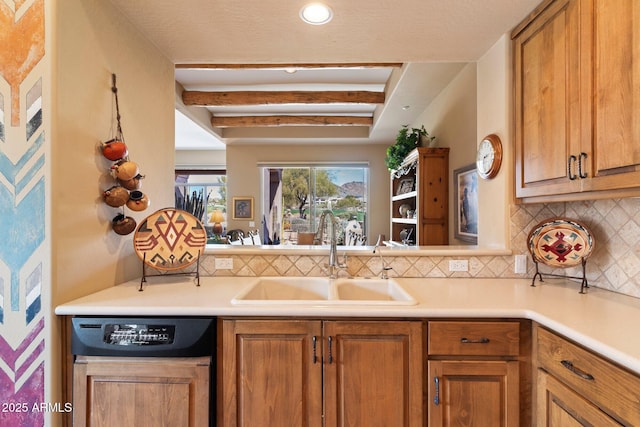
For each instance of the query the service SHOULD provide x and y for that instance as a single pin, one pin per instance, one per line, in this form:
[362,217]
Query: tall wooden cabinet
[420,198]
[320,373]
[577,100]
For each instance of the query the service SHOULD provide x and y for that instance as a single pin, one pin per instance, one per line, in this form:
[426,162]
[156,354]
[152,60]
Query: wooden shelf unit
[421,183]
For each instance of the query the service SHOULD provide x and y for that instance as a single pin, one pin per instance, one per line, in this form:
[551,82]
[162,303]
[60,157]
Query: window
[294,198]
[201,193]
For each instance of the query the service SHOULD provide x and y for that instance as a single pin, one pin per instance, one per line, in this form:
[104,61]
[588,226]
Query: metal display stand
[583,285]
[195,273]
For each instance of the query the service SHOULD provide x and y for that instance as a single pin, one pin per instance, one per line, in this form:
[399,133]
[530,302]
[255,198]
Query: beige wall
[92,41]
[244,178]
[205,159]
[451,118]
[495,110]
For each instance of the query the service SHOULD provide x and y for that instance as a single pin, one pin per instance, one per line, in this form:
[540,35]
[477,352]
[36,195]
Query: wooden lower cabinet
[141,392]
[559,406]
[320,373]
[473,392]
[578,387]
[475,373]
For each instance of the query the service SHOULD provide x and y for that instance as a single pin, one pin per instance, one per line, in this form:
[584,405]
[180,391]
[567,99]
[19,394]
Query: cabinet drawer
[474,338]
[614,390]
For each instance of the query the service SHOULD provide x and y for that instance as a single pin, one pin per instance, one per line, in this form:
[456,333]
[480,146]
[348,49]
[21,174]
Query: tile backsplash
[614,263]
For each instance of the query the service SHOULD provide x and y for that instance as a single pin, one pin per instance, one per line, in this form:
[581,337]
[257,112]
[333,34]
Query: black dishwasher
[160,337]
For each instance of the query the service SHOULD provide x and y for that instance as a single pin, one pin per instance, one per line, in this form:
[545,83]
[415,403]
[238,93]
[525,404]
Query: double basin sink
[323,291]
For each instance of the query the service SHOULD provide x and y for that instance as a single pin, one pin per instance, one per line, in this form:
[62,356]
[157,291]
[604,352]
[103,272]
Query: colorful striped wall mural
[22,212]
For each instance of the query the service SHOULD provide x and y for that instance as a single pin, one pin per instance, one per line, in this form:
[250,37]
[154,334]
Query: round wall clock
[489,157]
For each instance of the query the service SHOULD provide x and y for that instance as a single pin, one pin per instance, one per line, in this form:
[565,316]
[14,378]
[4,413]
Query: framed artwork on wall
[465,197]
[243,208]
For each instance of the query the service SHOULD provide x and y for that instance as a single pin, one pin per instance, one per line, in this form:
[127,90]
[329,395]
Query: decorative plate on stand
[170,239]
[560,242]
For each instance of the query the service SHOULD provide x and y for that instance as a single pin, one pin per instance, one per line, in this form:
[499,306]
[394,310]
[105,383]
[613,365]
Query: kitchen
[77,105]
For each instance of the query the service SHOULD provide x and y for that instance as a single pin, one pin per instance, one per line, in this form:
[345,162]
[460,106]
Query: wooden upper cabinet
[547,100]
[616,107]
[577,101]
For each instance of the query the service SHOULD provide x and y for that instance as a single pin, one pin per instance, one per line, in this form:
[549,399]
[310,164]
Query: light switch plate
[520,264]
[458,265]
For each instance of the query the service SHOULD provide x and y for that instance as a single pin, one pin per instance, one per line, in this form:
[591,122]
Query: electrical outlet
[224,263]
[458,265]
[520,264]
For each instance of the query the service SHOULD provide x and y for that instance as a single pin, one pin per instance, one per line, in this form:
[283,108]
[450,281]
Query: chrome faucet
[334,264]
[385,268]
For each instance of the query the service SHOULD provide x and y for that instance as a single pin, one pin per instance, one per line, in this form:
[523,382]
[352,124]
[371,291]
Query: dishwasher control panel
[138,334]
[143,336]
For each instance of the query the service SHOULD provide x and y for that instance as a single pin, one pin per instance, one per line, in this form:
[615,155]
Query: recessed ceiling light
[406,107]
[290,70]
[316,14]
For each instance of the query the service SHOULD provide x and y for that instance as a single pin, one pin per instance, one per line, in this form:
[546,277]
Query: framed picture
[465,198]
[243,208]
[405,186]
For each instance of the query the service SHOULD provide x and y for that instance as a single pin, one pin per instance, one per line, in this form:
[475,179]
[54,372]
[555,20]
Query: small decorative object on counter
[170,240]
[126,173]
[561,243]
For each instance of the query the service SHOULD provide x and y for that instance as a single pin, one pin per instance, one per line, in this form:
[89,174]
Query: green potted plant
[406,140]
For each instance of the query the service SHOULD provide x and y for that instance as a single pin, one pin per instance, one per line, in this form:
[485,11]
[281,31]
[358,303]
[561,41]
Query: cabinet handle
[330,352]
[572,159]
[480,341]
[579,372]
[436,398]
[582,175]
[314,340]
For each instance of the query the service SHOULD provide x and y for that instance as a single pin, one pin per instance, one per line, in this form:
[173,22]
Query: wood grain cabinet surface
[598,388]
[474,373]
[141,392]
[577,97]
[320,373]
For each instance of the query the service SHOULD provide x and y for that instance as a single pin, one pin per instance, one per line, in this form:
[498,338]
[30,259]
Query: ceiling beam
[281,97]
[270,121]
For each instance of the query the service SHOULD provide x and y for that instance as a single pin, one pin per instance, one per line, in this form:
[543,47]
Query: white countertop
[603,321]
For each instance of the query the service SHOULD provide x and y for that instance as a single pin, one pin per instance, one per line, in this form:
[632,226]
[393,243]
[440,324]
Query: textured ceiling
[433,38]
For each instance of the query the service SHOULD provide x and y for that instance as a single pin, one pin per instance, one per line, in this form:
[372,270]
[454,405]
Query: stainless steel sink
[323,291]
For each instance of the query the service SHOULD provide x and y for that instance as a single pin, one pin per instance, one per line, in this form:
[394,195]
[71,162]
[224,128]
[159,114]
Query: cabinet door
[616,39]
[473,392]
[268,373]
[373,374]
[153,392]
[548,99]
[559,406]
